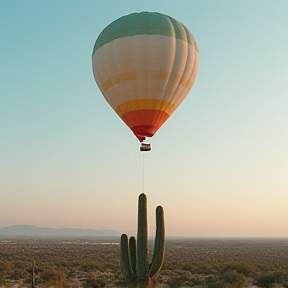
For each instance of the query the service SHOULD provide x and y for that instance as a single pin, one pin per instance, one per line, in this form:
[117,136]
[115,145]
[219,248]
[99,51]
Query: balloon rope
[143,172]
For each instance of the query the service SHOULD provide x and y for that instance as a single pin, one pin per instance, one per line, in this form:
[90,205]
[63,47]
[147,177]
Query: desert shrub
[94,283]
[176,282]
[213,282]
[266,279]
[240,267]
[53,277]
[233,278]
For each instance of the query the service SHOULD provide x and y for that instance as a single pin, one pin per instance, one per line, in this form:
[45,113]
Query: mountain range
[34,231]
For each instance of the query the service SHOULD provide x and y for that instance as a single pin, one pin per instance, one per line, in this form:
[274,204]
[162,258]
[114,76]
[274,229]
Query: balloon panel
[144,65]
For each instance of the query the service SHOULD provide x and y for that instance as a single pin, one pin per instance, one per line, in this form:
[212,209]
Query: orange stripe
[145,122]
[147,104]
[132,75]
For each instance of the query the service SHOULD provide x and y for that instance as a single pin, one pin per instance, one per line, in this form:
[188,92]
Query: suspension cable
[143,172]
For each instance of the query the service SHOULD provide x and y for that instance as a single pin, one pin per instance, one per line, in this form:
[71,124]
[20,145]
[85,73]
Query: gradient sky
[218,166]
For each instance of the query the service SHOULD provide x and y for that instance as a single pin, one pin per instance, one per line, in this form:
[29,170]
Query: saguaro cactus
[136,270]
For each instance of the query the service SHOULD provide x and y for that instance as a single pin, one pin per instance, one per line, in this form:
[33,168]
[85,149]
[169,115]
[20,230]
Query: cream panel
[162,47]
[186,74]
[161,58]
[184,92]
[164,54]
[178,67]
[109,60]
[121,61]
[101,74]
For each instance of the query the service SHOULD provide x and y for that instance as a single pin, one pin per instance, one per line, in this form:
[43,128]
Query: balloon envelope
[145,64]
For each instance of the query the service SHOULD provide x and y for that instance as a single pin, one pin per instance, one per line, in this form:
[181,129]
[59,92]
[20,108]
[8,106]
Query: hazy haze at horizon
[218,166]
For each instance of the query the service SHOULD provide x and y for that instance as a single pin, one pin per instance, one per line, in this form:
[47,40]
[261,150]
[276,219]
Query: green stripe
[144,23]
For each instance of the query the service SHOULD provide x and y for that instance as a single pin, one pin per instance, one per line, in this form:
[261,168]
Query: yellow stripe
[127,76]
[140,104]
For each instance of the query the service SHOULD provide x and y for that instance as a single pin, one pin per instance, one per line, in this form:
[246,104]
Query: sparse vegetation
[188,263]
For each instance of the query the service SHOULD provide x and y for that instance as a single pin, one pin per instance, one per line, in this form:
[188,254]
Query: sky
[219,164]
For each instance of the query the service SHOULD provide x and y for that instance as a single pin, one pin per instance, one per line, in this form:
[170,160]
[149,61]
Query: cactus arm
[142,240]
[133,254]
[125,261]
[159,246]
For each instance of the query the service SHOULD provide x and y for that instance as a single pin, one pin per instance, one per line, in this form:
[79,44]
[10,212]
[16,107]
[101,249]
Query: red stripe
[145,122]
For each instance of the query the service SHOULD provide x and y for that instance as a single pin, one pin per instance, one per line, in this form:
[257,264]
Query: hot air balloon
[145,64]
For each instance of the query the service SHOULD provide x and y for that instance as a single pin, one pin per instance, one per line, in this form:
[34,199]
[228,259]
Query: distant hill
[34,231]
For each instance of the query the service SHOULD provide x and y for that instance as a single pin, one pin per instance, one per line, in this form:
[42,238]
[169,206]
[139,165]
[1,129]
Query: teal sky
[218,166]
